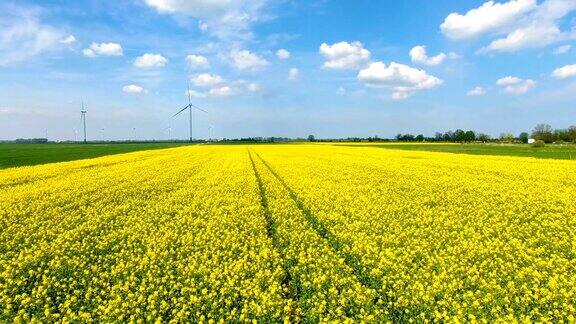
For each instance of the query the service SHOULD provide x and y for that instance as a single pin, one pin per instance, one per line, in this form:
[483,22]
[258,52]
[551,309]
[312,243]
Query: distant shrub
[539,143]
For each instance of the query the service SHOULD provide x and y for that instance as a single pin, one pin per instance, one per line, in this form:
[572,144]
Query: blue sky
[285,68]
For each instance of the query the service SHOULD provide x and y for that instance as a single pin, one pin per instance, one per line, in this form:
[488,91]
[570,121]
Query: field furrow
[327,288]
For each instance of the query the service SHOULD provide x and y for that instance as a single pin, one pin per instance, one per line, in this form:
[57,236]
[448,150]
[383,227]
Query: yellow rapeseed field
[289,233]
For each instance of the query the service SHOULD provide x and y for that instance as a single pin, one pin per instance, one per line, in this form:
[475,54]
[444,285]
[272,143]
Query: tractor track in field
[288,281]
[362,274]
[351,260]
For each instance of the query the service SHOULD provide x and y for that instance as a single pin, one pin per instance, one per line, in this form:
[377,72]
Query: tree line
[542,132]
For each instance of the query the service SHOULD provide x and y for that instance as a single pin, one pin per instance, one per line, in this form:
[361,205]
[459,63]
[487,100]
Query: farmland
[297,233]
[552,151]
[14,155]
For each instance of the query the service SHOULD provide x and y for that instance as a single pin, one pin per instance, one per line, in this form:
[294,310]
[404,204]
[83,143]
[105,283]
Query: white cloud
[513,25]
[341,91]
[246,60]
[565,72]
[344,55]
[103,49]
[530,36]
[223,91]
[283,54]
[253,87]
[197,62]
[418,55]
[562,49]
[542,27]
[488,17]
[207,80]
[203,26]
[293,74]
[149,61]
[68,39]
[477,91]
[133,89]
[23,35]
[403,79]
[516,86]
[400,95]
[220,88]
[226,19]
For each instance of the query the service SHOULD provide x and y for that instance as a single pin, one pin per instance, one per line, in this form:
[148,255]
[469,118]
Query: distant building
[531,141]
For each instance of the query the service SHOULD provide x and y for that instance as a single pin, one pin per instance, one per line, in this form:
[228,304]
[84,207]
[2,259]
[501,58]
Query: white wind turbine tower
[210,132]
[189,106]
[169,130]
[83,119]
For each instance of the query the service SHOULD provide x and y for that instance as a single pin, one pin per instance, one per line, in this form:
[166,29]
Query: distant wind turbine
[169,129]
[210,131]
[189,106]
[83,119]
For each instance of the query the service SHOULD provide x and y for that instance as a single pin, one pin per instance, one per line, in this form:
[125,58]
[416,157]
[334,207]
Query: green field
[14,155]
[561,152]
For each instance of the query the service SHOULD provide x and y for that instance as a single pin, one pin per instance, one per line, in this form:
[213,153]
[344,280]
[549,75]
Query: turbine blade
[181,110]
[198,108]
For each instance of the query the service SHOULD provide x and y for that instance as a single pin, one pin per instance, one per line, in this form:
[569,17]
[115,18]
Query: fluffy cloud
[534,35]
[207,80]
[564,72]
[70,39]
[562,49]
[344,55]
[253,87]
[515,85]
[513,25]
[293,74]
[400,95]
[403,79]
[220,88]
[197,62]
[246,60]
[133,89]
[487,18]
[23,35]
[283,54]
[223,91]
[150,61]
[226,19]
[418,55]
[477,91]
[103,49]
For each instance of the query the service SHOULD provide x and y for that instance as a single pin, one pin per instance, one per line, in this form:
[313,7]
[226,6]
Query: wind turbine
[210,132]
[169,129]
[83,118]
[189,106]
